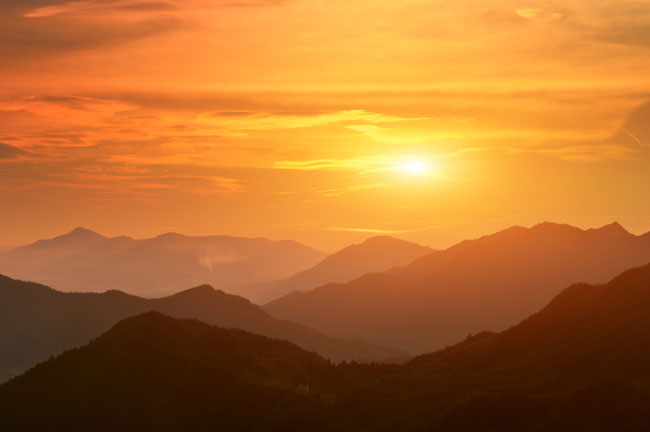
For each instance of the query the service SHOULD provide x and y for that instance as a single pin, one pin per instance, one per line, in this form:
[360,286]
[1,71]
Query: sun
[415,167]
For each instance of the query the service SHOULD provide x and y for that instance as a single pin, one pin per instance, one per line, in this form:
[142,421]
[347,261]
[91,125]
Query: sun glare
[415,167]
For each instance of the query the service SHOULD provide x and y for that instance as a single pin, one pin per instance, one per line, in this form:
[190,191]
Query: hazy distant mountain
[376,254]
[37,322]
[485,284]
[578,365]
[86,261]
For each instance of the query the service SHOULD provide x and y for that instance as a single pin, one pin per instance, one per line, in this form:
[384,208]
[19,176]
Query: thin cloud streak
[380,231]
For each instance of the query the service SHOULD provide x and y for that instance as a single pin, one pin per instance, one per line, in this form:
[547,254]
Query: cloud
[10,152]
[635,132]
[335,192]
[93,7]
[86,7]
[33,29]
[539,13]
[589,152]
[622,22]
[364,164]
[175,131]
[62,121]
[271,121]
[379,231]
[528,13]
[403,136]
[29,39]
[117,178]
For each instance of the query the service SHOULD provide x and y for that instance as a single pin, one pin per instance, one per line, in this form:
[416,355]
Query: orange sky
[296,118]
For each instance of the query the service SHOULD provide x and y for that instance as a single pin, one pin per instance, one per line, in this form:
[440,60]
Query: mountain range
[376,254]
[83,260]
[579,364]
[484,284]
[37,322]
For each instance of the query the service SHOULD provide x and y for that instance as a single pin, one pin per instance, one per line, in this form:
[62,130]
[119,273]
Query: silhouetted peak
[505,233]
[81,232]
[169,235]
[549,228]
[382,241]
[205,288]
[148,320]
[79,235]
[200,291]
[118,294]
[636,274]
[552,227]
[622,286]
[614,228]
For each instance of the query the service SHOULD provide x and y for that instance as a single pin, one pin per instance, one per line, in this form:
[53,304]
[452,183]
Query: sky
[322,121]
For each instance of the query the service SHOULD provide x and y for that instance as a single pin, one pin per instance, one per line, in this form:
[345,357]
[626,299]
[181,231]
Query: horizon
[363,238]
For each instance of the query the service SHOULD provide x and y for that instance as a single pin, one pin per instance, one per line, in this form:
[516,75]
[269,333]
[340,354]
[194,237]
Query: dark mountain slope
[377,254]
[485,284]
[578,365]
[83,260]
[589,338]
[154,373]
[37,322]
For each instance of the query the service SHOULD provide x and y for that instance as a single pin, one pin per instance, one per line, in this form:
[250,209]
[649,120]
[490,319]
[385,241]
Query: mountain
[376,254]
[580,364]
[37,322]
[154,373]
[484,284]
[83,260]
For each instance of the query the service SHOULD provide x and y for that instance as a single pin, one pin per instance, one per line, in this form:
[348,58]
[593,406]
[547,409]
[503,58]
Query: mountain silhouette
[154,373]
[376,254]
[484,284]
[37,322]
[579,364]
[83,260]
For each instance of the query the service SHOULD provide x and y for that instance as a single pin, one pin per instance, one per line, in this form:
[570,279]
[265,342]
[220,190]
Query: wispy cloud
[118,179]
[537,13]
[590,152]
[379,231]
[334,192]
[403,136]
[271,121]
[60,29]
[528,13]
[363,164]
[11,152]
[88,7]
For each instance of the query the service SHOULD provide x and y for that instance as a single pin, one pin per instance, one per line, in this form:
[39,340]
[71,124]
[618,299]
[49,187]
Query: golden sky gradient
[322,121]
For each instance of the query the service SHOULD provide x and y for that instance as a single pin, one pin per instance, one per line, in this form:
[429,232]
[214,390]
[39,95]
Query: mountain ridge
[73,319]
[494,281]
[562,368]
[82,260]
[374,254]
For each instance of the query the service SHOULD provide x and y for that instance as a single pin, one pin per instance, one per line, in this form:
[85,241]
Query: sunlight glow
[416,167]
